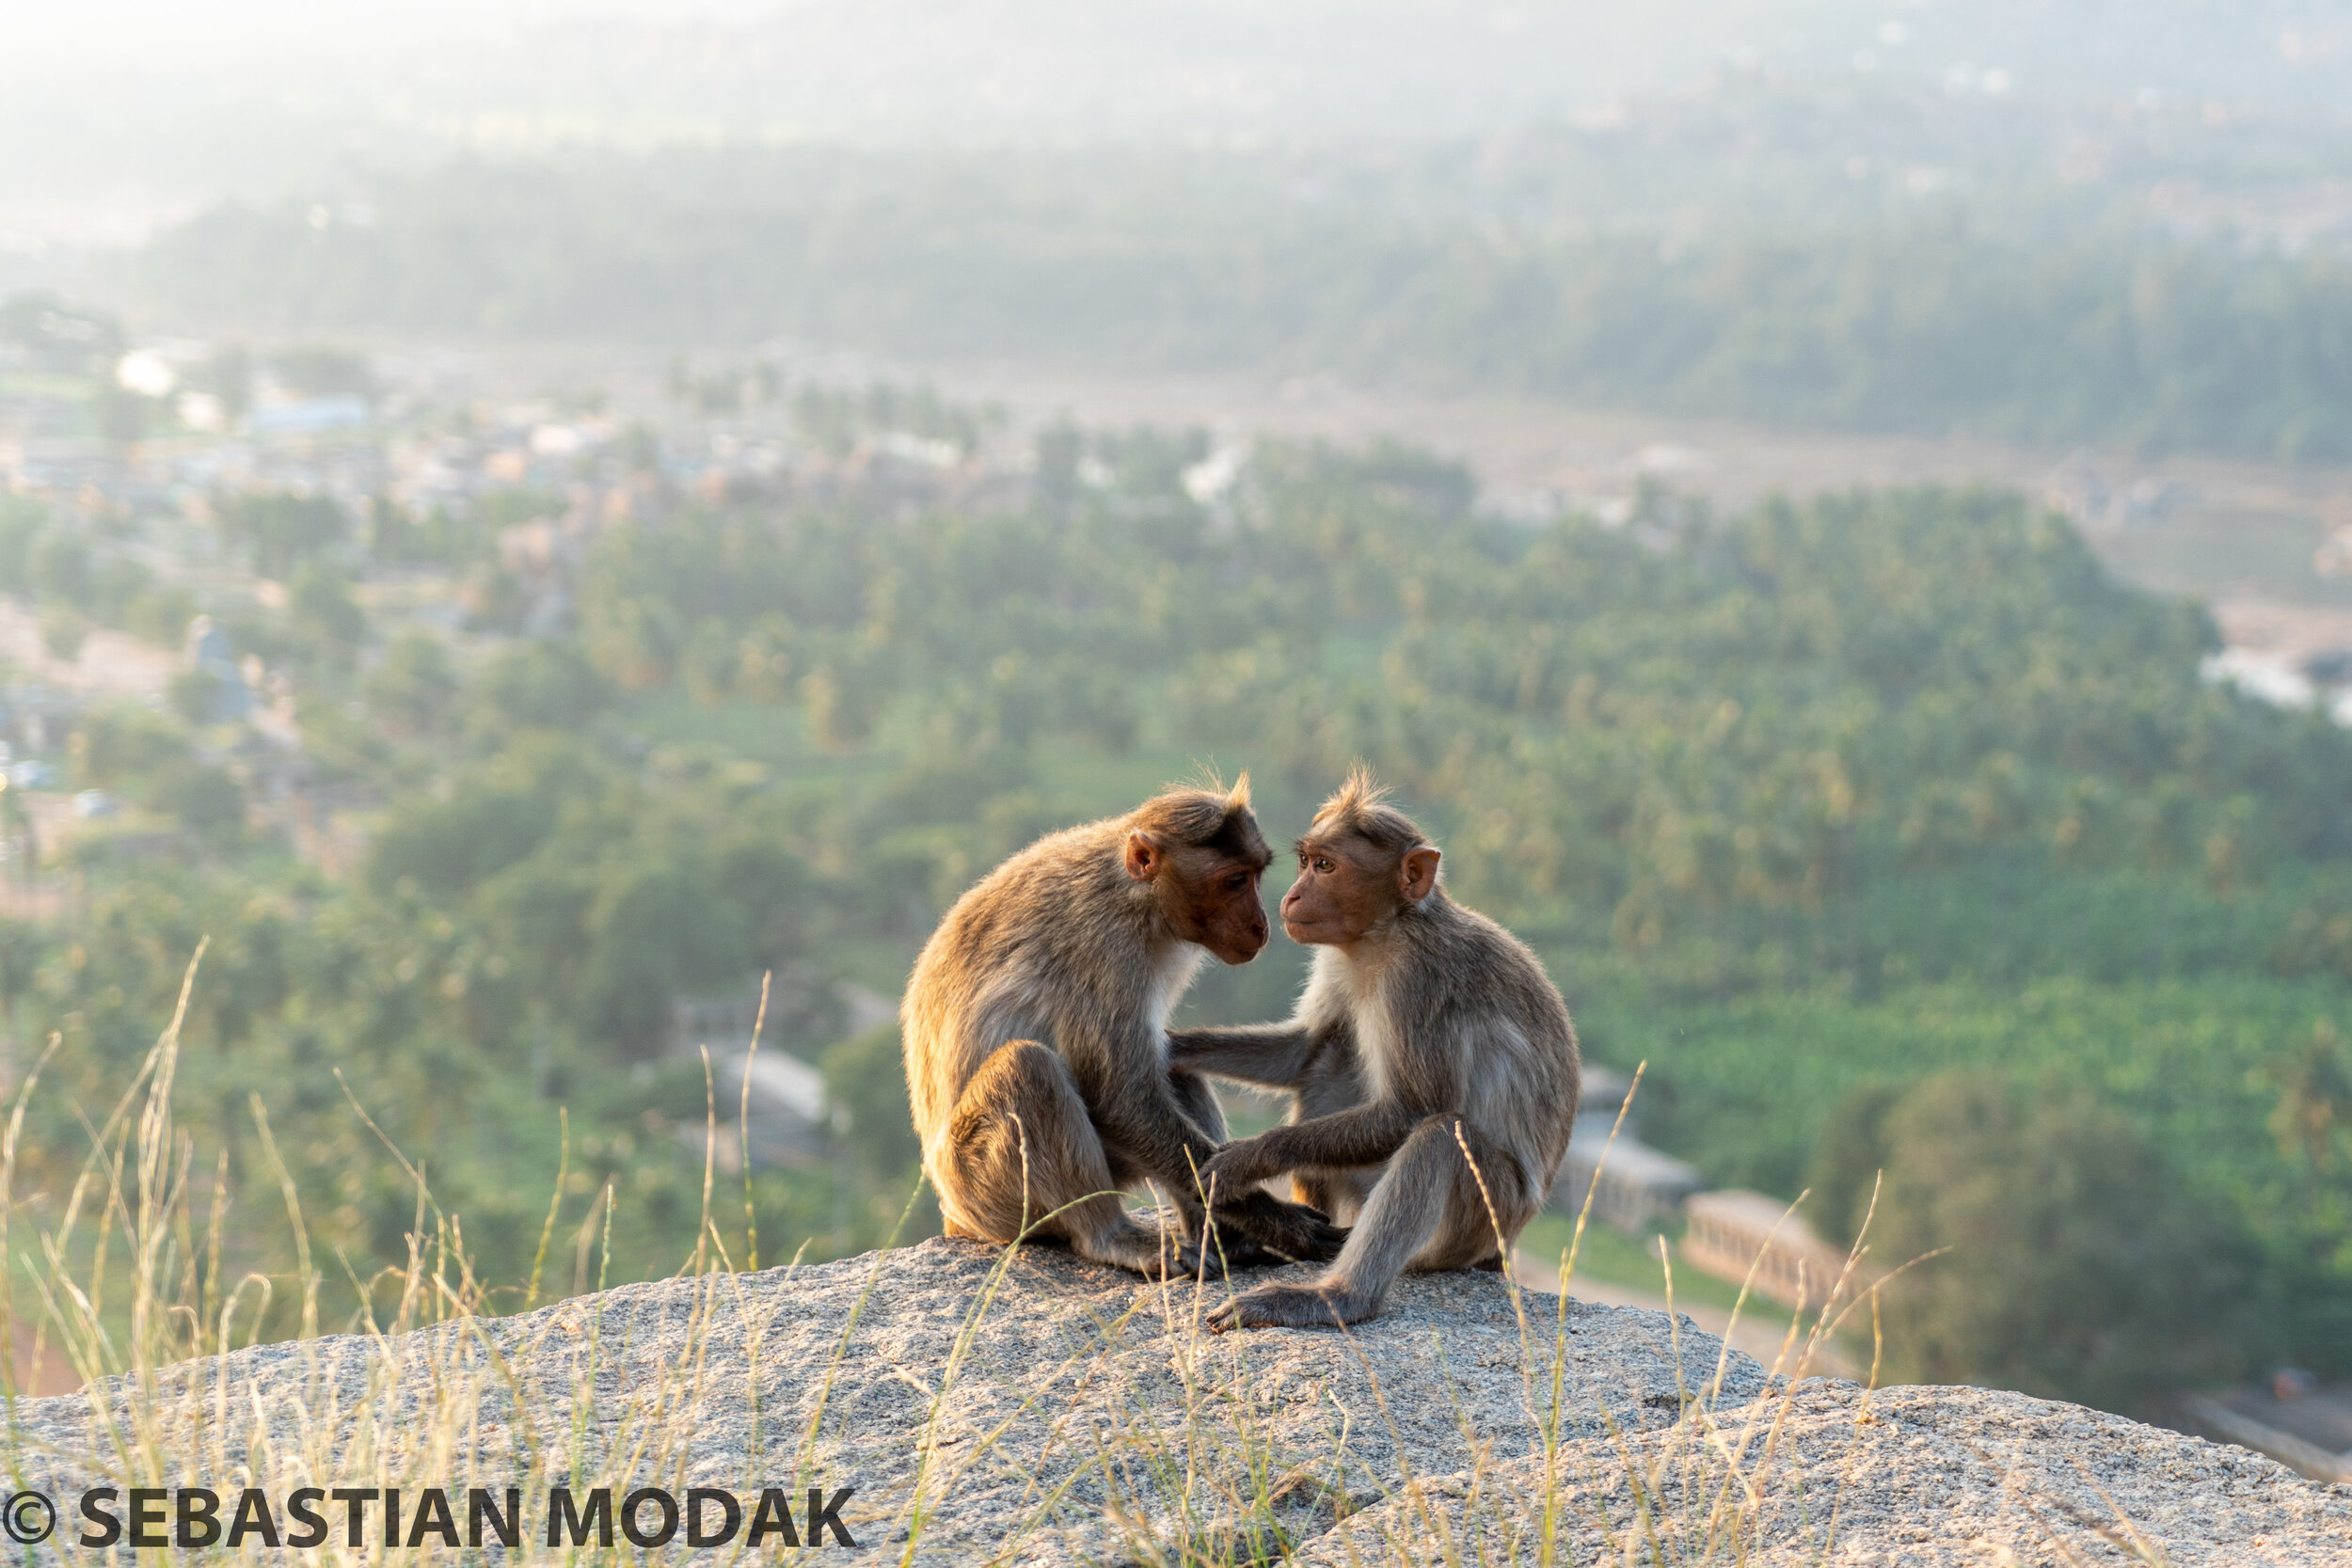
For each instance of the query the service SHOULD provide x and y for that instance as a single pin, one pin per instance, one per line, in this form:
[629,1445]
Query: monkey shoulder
[1061,903]
[1075,865]
[1478,970]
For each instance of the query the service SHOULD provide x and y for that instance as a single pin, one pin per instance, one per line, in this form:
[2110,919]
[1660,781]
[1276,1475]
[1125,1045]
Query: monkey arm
[1269,1055]
[1143,1123]
[1152,1132]
[1143,1119]
[1364,1135]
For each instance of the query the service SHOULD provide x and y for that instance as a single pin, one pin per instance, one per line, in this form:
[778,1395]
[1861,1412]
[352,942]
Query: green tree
[207,801]
[544,684]
[2080,1266]
[120,748]
[23,520]
[63,568]
[279,530]
[414,687]
[867,1076]
[321,610]
[654,929]
[1847,1156]
[63,631]
[160,615]
[195,695]
[492,817]
[2314,1119]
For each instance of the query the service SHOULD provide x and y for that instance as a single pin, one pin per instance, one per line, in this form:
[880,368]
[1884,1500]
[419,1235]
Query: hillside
[1918,318]
[1812,807]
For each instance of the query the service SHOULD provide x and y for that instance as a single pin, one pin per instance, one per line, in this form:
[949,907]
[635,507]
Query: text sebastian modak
[451,1516]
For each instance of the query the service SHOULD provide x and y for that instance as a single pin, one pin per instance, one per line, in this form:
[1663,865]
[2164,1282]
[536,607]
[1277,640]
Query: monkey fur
[1036,1030]
[1426,1033]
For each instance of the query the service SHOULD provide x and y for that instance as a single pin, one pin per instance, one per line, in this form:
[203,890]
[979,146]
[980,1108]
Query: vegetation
[1816,800]
[1558,265]
[77,582]
[2074,1261]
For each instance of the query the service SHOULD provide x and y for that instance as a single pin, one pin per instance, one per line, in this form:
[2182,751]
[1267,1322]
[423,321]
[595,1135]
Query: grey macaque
[1036,1029]
[1427,1038]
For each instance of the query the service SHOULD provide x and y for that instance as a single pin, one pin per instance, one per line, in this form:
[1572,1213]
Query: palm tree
[2315,1099]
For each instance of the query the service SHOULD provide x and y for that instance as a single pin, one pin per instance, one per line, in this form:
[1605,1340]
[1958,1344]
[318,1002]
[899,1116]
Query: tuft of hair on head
[1209,815]
[1360,807]
[1206,780]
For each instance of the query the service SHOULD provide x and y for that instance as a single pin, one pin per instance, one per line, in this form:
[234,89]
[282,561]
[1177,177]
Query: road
[1757,1335]
[110,663]
[2226,529]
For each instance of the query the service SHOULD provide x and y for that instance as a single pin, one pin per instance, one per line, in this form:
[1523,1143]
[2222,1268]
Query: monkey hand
[1239,1166]
[1290,1232]
[1152,1252]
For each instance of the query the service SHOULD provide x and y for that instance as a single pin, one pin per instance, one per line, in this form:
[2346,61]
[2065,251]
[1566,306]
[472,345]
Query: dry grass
[128,1287]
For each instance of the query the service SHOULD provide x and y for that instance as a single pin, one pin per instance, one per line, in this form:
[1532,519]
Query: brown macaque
[1430,1056]
[1036,1028]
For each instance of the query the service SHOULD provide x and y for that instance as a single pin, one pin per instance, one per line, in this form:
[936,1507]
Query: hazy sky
[101,31]
[115,113]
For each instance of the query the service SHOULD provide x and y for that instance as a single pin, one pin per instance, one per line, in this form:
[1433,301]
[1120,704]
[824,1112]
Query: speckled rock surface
[1906,1476]
[1048,1411]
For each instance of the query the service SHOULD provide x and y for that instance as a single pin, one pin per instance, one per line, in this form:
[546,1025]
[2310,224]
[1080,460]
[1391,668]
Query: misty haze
[547,535]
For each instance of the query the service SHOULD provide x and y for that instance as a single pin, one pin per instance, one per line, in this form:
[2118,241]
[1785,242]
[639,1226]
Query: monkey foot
[1290,1306]
[1239,1252]
[1151,1255]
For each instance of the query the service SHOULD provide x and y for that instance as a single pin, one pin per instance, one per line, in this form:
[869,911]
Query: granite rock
[1039,1409]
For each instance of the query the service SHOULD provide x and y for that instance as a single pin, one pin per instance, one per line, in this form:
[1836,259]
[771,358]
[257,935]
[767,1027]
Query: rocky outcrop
[1040,1409]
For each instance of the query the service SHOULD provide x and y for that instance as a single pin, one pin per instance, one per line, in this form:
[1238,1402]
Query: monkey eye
[1237,882]
[1323,863]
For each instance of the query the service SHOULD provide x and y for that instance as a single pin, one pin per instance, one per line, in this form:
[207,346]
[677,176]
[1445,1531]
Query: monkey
[1036,1030]
[1431,1064]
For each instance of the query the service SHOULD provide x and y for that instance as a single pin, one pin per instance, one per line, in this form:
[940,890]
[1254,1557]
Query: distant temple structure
[1736,1235]
[1633,1186]
[1749,1237]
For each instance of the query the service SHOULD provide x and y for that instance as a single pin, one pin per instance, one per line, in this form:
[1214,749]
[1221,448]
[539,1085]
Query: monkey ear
[1142,856]
[1417,874]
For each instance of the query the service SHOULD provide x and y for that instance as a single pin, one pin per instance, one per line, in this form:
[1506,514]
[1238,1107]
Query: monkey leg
[1198,1099]
[1020,1148]
[1427,1212]
[1339,1194]
[1196,1103]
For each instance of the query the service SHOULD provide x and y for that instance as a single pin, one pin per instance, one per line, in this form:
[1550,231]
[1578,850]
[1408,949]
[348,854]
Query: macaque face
[1222,908]
[1210,895]
[1345,887]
